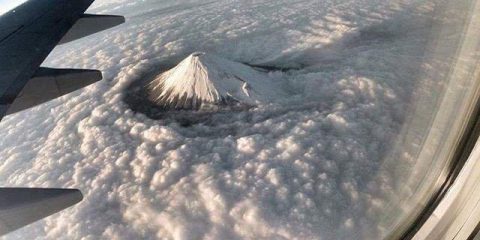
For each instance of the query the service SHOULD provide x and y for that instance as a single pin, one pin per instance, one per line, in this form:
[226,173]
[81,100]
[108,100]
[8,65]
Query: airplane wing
[28,34]
[22,206]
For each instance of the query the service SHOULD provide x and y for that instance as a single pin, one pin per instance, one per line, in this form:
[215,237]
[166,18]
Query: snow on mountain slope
[203,79]
[308,168]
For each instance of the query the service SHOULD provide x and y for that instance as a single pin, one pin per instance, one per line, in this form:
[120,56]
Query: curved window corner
[457,216]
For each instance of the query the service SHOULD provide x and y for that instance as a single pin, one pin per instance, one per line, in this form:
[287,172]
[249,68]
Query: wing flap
[89,24]
[49,83]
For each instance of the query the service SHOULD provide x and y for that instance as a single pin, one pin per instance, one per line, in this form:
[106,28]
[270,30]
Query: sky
[6,5]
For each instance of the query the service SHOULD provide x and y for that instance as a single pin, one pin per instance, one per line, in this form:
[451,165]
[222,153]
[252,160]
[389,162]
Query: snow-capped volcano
[205,79]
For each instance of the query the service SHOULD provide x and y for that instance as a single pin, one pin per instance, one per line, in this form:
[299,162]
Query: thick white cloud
[308,168]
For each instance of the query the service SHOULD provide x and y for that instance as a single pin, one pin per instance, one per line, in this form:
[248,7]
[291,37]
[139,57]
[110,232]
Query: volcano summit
[203,80]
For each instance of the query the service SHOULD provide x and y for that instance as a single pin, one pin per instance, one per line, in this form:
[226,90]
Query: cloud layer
[308,168]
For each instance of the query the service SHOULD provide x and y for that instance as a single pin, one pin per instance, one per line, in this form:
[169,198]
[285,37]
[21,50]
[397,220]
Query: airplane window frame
[467,139]
[464,150]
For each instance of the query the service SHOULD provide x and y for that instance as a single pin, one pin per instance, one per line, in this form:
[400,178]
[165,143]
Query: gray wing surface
[28,34]
[22,206]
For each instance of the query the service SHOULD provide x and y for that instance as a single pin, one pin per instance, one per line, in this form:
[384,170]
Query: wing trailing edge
[50,83]
[89,24]
[22,206]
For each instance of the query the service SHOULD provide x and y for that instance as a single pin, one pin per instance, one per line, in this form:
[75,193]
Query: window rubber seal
[464,149]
